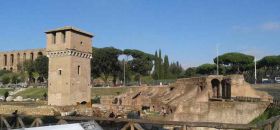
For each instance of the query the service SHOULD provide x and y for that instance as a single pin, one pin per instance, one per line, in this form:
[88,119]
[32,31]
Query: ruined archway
[5,60]
[40,53]
[18,58]
[226,88]
[24,56]
[215,88]
[31,56]
[12,59]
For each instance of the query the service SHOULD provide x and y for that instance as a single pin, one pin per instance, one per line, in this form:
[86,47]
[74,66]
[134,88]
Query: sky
[188,31]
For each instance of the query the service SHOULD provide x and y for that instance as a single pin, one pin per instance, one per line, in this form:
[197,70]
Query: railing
[135,123]
[273,122]
[246,99]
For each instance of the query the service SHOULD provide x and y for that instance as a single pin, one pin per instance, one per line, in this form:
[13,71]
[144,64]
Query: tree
[270,65]
[237,61]
[105,63]
[175,69]
[156,66]
[190,72]
[6,79]
[41,66]
[141,64]
[269,62]
[6,94]
[207,69]
[15,78]
[166,72]
[35,75]
[45,96]
[28,66]
[160,66]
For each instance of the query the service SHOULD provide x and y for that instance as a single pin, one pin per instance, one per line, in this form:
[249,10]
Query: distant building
[9,60]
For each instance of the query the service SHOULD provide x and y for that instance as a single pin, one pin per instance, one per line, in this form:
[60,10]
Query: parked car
[266,81]
[277,80]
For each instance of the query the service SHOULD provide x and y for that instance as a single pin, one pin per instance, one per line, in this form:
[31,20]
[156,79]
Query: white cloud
[270,26]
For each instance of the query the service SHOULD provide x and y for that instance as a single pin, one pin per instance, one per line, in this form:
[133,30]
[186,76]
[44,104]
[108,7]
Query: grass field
[32,93]
[39,92]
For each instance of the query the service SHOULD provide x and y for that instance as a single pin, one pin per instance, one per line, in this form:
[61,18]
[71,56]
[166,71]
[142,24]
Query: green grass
[2,91]
[39,92]
[32,93]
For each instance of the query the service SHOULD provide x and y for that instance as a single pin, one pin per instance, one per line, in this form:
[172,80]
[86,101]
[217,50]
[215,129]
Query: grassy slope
[2,91]
[32,93]
[39,92]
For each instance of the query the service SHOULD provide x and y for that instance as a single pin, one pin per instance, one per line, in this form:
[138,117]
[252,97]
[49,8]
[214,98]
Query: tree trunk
[139,82]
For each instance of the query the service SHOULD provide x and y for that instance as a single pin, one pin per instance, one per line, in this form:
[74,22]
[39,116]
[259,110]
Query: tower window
[54,37]
[59,72]
[79,67]
[63,37]
[81,43]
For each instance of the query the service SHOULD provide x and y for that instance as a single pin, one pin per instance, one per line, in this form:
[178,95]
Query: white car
[277,80]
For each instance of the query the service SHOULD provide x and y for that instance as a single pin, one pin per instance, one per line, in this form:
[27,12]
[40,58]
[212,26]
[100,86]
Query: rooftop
[70,28]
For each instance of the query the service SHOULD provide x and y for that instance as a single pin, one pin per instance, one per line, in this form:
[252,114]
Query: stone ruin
[224,99]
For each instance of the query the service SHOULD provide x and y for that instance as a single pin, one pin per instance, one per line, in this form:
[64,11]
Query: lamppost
[125,59]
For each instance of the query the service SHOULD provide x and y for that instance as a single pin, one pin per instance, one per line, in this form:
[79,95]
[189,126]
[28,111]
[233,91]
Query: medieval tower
[69,51]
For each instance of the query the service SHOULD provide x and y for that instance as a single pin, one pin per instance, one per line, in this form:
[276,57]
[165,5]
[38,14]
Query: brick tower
[69,51]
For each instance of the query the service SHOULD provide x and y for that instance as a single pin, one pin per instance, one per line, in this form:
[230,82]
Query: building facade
[69,51]
[9,60]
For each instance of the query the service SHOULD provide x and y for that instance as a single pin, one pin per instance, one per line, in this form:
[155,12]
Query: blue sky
[187,30]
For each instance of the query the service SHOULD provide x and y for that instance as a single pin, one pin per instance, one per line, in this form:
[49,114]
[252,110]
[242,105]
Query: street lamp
[125,59]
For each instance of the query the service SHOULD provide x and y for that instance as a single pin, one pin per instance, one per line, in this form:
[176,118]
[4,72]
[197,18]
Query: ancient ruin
[226,99]
[69,51]
[9,60]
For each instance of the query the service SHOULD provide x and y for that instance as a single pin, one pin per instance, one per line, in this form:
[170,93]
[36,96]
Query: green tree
[237,61]
[160,65]
[166,72]
[45,95]
[41,66]
[141,64]
[4,72]
[29,68]
[156,67]
[15,78]
[190,72]
[35,75]
[6,94]
[206,69]
[270,65]
[176,69]
[105,63]
[6,79]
